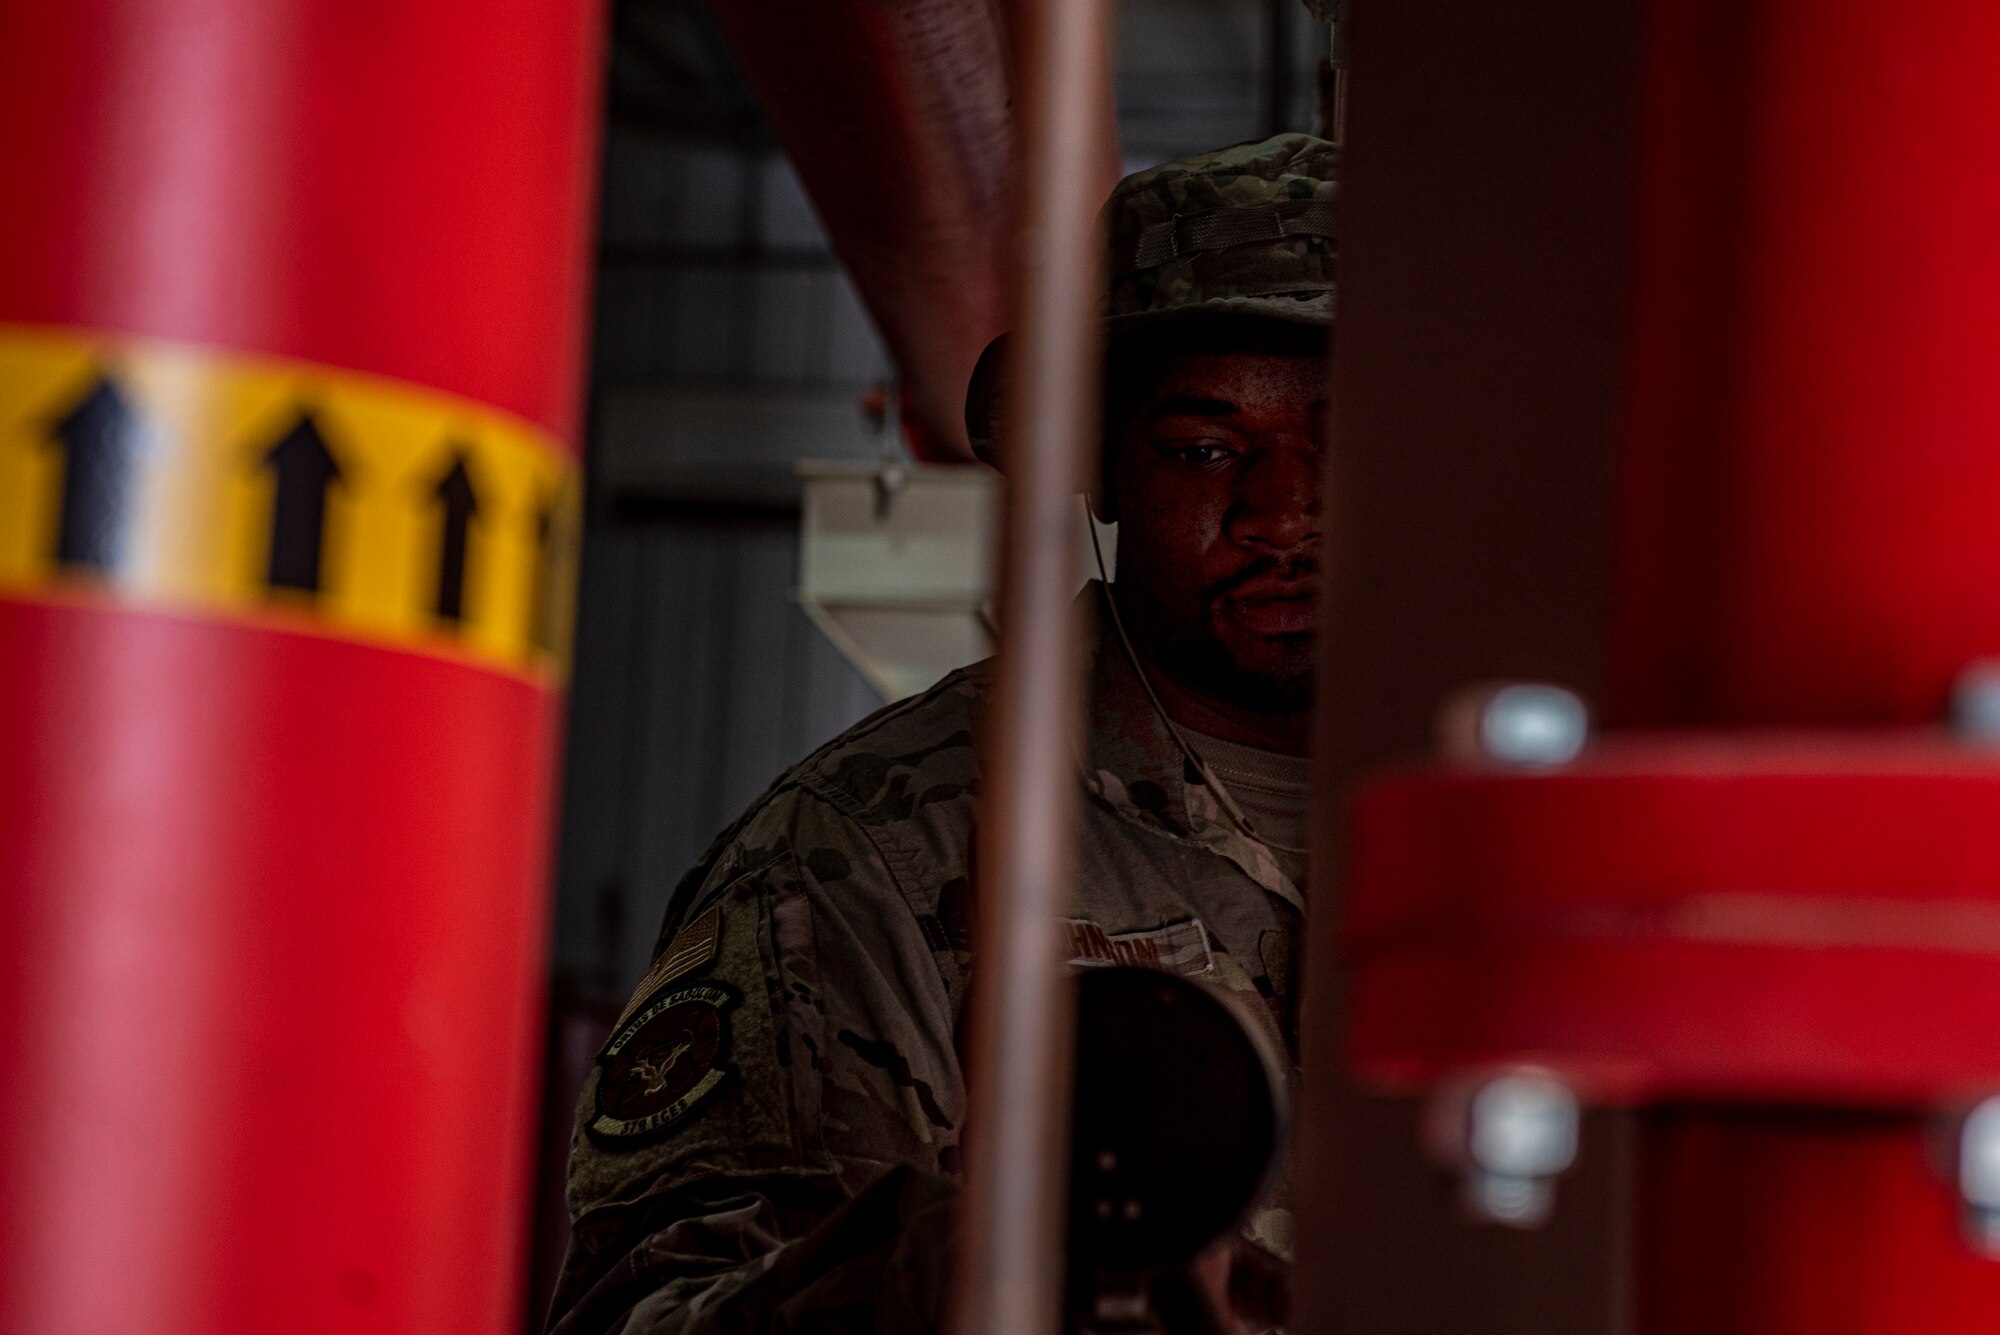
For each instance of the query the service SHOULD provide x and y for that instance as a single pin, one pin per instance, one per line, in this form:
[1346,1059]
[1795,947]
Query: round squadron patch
[663,1063]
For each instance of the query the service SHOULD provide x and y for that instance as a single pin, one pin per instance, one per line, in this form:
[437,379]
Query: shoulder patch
[664,1061]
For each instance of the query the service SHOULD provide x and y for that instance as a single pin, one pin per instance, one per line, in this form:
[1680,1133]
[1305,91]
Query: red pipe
[1807,518]
[1808,539]
[291,298]
[1791,1221]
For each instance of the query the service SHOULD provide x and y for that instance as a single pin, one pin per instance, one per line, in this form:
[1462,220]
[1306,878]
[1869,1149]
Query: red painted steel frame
[1809,538]
[271,902]
[1722,917]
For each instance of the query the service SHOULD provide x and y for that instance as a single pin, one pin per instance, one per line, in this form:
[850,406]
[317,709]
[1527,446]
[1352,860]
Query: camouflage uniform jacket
[767,1140]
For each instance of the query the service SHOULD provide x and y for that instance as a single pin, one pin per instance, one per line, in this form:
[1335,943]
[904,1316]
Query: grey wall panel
[707,311]
[681,739]
[594,833]
[699,681]
[790,318]
[753,713]
[787,219]
[855,353]
[644,167]
[708,194]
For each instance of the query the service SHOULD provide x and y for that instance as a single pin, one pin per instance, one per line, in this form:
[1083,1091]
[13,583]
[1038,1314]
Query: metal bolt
[1521,723]
[892,479]
[1511,1136]
[1978,1173]
[1975,702]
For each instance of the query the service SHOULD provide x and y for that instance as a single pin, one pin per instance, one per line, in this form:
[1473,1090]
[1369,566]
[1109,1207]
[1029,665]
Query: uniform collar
[1131,759]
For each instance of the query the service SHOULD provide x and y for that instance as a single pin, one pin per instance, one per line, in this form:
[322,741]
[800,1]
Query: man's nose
[1277,498]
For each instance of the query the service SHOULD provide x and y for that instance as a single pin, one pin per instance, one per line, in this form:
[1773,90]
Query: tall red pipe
[278,701]
[1808,539]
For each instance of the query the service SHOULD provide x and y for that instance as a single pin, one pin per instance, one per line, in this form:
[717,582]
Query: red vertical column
[290,319]
[1808,539]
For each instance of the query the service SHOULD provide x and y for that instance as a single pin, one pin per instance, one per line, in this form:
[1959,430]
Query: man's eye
[1198,453]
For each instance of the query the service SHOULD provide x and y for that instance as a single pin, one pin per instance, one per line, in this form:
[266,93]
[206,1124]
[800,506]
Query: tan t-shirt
[1274,790]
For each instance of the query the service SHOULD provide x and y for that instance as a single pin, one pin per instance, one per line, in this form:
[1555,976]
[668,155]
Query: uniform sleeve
[768,1138]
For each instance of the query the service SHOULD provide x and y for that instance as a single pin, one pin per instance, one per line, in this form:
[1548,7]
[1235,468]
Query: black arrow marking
[459,504]
[305,468]
[540,633]
[101,438]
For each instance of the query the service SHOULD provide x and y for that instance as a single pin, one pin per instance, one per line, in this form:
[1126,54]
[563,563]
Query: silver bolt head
[1517,1202]
[1975,1156]
[1522,1125]
[1511,1135]
[1979,1155]
[1975,702]
[1529,724]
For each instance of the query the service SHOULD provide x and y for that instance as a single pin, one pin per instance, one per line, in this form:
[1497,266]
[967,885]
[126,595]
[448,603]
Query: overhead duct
[910,177]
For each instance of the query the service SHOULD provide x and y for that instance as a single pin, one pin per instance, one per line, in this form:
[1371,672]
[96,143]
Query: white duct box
[897,565]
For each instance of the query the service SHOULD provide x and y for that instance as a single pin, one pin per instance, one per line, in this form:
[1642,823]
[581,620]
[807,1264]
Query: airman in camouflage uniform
[769,1137]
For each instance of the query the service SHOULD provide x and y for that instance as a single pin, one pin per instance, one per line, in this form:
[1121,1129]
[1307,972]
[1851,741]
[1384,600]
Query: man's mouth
[1274,606]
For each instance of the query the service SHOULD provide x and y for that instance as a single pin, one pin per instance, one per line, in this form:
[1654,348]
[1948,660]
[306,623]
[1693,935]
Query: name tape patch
[1180,947]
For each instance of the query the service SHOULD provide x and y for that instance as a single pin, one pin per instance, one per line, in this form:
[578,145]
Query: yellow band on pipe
[189,480]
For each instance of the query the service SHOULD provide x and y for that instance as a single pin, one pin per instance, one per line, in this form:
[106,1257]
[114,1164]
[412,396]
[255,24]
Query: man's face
[1214,473]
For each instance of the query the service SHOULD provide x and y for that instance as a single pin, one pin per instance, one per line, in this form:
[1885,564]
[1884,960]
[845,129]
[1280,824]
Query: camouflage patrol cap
[1243,231]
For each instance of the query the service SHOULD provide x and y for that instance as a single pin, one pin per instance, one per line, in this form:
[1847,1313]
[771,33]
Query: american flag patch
[692,948]
[1180,947]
